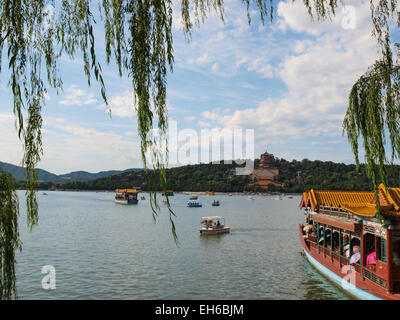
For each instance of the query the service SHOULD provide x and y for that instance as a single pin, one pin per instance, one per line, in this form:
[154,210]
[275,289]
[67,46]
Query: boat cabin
[343,230]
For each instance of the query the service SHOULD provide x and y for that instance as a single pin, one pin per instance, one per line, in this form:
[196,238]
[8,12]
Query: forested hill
[327,175]
[201,177]
[296,176]
[18,173]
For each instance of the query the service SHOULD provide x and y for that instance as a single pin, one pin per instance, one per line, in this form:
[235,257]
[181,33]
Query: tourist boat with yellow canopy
[346,239]
[126,196]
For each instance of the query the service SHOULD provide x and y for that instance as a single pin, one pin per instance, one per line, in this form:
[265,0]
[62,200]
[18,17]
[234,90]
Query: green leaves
[9,235]
[374,101]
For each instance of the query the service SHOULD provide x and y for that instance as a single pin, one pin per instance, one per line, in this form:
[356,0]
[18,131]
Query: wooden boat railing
[368,272]
[336,212]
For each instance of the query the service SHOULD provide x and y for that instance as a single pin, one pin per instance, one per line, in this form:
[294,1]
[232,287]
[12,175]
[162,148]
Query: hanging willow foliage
[9,235]
[374,101]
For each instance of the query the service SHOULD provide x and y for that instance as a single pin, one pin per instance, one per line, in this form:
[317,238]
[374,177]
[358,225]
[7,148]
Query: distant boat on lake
[168,193]
[126,196]
[194,198]
[194,204]
[213,225]
[250,198]
[215,203]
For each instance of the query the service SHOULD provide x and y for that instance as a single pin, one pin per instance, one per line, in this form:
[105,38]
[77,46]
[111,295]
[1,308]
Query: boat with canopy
[126,196]
[213,225]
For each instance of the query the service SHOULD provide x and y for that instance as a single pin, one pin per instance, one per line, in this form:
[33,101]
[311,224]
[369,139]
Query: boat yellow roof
[361,203]
[126,191]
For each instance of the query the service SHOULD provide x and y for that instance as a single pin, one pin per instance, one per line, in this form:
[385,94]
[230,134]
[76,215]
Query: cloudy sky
[288,81]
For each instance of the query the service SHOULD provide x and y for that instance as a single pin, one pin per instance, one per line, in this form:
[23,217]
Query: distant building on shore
[265,173]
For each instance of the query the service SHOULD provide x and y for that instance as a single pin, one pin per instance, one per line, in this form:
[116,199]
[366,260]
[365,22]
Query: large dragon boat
[346,240]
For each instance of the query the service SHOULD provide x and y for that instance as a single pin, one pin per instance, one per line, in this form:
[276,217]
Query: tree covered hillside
[296,176]
[327,175]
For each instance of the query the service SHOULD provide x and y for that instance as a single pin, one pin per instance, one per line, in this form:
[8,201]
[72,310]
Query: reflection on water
[102,250]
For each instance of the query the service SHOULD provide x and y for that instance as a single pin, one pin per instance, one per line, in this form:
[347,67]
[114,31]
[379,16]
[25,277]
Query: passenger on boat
[355,258]
[371,258]
[356,255]
[218,225]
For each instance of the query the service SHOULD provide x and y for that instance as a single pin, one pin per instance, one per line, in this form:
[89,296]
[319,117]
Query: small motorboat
[215,203]
[194,204]
[44,193]
[213,225]
[278,198]
[250,198]
[194,198]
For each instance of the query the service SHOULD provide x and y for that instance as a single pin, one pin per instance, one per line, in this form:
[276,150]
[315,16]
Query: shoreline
[175,192]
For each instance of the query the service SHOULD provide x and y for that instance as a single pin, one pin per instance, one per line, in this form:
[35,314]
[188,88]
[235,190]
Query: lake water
[102,250]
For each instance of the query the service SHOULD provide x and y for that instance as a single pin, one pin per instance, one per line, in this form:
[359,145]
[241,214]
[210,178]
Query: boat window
[336,241]
[354,251]
[344,243]
[381,249]
[396,248]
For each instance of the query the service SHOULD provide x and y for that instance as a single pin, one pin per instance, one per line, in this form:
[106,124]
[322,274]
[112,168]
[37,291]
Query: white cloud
[318,73]
[11,148]
[261,66]
[123,105]
[191,118]
[76,96]
[92,149]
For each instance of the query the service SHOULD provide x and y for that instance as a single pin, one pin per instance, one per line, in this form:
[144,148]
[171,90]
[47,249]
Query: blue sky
[288,81]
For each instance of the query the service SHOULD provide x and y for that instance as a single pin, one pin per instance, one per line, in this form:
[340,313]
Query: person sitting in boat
[218,225]
[355,258]
[371,258]
[356,255]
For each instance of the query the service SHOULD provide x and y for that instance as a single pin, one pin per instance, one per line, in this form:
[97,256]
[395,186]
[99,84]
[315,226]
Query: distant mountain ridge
[19,174]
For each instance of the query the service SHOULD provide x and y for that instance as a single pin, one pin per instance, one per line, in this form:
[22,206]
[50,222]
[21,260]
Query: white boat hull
[214,231]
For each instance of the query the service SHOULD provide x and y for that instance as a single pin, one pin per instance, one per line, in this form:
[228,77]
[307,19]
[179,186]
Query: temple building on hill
[265,173]
[266,160]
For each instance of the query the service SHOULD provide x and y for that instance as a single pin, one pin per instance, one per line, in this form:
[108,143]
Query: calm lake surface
[102,250]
